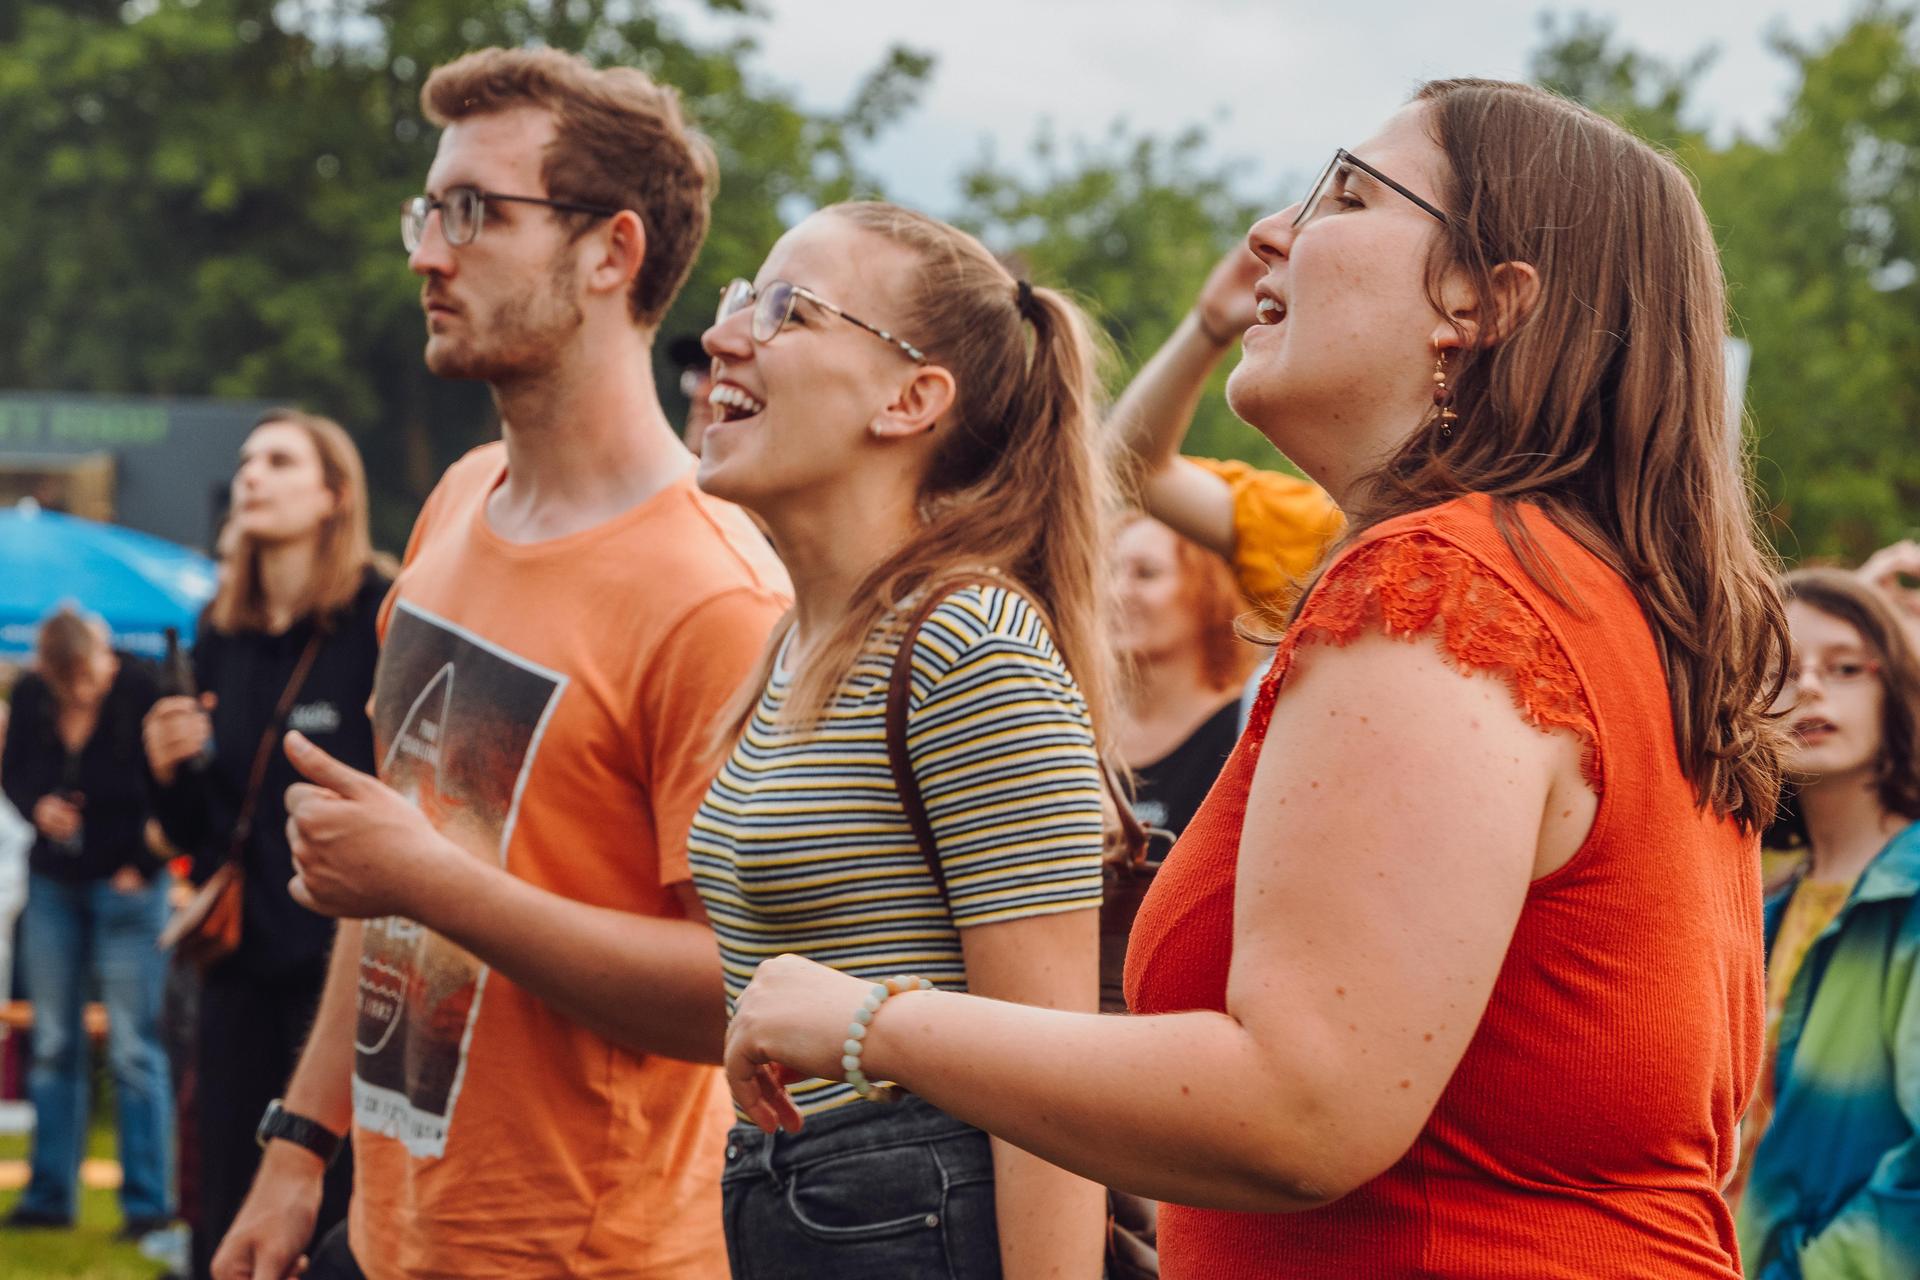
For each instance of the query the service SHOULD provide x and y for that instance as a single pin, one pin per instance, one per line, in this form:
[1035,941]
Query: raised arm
[1154,412]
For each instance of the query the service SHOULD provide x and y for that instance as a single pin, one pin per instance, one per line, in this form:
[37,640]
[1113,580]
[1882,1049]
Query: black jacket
[247,671]
[110,774]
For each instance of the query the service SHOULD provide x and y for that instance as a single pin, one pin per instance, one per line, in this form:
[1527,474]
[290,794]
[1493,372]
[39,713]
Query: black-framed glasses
[773,307]
[1332,186]
[464,209]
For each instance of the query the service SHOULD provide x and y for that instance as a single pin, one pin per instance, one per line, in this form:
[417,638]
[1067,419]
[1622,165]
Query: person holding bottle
[293,619]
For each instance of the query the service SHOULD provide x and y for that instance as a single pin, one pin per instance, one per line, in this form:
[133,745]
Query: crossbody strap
[250,799]
[1133,837]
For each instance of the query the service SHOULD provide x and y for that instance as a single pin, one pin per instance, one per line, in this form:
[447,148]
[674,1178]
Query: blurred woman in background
[294,617]
[1183,665]
[1829,1181]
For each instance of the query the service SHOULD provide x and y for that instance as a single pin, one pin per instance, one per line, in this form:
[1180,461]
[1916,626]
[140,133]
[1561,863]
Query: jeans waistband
[858,1126]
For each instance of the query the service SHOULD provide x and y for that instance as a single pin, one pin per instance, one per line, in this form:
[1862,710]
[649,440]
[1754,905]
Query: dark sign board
[169,460]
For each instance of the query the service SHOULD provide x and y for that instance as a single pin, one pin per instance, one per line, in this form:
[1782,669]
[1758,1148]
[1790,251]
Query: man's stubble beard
[521,339]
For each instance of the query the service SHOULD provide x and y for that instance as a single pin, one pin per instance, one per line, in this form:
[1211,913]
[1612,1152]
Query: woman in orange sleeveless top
[1457,972]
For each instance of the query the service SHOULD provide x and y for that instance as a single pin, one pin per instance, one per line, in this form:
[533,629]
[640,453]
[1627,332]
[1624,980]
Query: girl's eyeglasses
[1834,672]
[773,307]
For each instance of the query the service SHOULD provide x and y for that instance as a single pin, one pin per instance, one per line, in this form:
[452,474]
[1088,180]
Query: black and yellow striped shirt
[802,844]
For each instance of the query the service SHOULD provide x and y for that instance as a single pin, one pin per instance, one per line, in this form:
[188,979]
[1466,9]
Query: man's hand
[1226,302]
[360,850]
[277,1219]
[175,731]
[57,817]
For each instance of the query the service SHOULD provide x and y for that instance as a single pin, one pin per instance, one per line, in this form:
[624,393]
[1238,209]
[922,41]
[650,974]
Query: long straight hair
[340,560]
[1605,406]
[1844,597]
[1019,483]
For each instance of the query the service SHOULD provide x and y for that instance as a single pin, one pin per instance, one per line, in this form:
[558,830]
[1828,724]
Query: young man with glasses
[522,959]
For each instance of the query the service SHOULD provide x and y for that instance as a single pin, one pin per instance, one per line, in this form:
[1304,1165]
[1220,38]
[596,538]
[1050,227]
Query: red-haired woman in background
[1174,628]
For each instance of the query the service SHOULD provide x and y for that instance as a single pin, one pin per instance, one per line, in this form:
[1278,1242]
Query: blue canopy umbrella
[138,583]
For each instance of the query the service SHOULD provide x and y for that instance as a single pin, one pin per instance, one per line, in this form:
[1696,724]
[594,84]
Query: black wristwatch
[279,1122]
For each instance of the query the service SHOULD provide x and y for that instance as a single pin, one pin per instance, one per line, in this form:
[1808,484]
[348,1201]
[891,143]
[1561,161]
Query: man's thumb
[316,765]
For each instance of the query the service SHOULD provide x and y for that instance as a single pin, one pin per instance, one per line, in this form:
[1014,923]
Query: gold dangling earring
[1442,395]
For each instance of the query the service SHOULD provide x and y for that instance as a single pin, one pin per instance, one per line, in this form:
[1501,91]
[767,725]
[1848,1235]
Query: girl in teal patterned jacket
[1829,1181]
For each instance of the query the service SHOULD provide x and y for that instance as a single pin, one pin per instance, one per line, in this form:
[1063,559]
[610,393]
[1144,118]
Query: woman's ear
[1473,321]
[924,398]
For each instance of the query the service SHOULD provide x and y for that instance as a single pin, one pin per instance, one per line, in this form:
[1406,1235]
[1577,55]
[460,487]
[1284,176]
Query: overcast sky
[1278,85]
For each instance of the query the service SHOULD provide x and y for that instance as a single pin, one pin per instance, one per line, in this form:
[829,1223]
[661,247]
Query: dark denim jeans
[863,1192]
[73,935]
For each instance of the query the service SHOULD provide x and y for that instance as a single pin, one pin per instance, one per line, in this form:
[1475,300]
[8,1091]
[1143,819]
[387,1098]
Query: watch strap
[289,1126]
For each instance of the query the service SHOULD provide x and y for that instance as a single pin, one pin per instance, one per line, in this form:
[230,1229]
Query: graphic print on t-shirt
[457,722]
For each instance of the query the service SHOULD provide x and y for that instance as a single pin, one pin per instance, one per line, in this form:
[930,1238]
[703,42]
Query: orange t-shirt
[548,705]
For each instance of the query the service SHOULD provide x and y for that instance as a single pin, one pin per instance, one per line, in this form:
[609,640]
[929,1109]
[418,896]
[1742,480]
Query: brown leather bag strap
[263,755]
[899,695]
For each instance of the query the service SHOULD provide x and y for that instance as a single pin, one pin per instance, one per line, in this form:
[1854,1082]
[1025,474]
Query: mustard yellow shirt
[1281,525]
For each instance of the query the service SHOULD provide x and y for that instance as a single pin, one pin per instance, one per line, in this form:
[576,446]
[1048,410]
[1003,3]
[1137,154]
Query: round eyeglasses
[463,210]
[773,308]
[1836,672]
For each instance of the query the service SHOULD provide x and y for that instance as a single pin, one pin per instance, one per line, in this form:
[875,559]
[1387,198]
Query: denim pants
[73,935]
[863,1192]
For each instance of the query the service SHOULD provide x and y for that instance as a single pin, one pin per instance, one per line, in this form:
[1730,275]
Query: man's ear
[1473,321]
[924,398]
[623,252]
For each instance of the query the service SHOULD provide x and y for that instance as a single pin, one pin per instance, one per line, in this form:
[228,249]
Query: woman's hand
[175,731]
[789,1024]
[1225,307]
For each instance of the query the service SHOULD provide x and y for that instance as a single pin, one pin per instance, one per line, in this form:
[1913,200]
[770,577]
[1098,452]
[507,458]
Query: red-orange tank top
[1594,1116]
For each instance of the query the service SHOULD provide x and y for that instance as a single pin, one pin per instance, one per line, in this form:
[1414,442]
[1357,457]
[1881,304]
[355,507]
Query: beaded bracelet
[857,1036]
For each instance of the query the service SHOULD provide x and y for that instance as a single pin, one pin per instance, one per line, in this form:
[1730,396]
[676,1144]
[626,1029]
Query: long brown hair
[1843,596]
[345,548]
[1019,482]
[1605,406]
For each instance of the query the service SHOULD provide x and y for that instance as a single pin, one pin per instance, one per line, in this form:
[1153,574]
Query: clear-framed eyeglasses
[1331,188]
[773,308]
[463,211]
[1834,671]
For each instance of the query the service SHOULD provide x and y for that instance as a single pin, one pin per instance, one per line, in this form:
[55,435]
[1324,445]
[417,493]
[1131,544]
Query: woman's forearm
[1052,1222]
[1210,1117]
[1152,415]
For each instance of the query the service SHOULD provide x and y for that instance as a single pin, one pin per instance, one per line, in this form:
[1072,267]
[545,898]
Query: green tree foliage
[201,196]
[1818,222]
[1131,225]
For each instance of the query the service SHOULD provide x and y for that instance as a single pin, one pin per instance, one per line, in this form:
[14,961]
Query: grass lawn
[89,1251]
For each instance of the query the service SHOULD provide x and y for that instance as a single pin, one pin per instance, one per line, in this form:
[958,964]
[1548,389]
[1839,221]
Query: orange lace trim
[1408,583]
